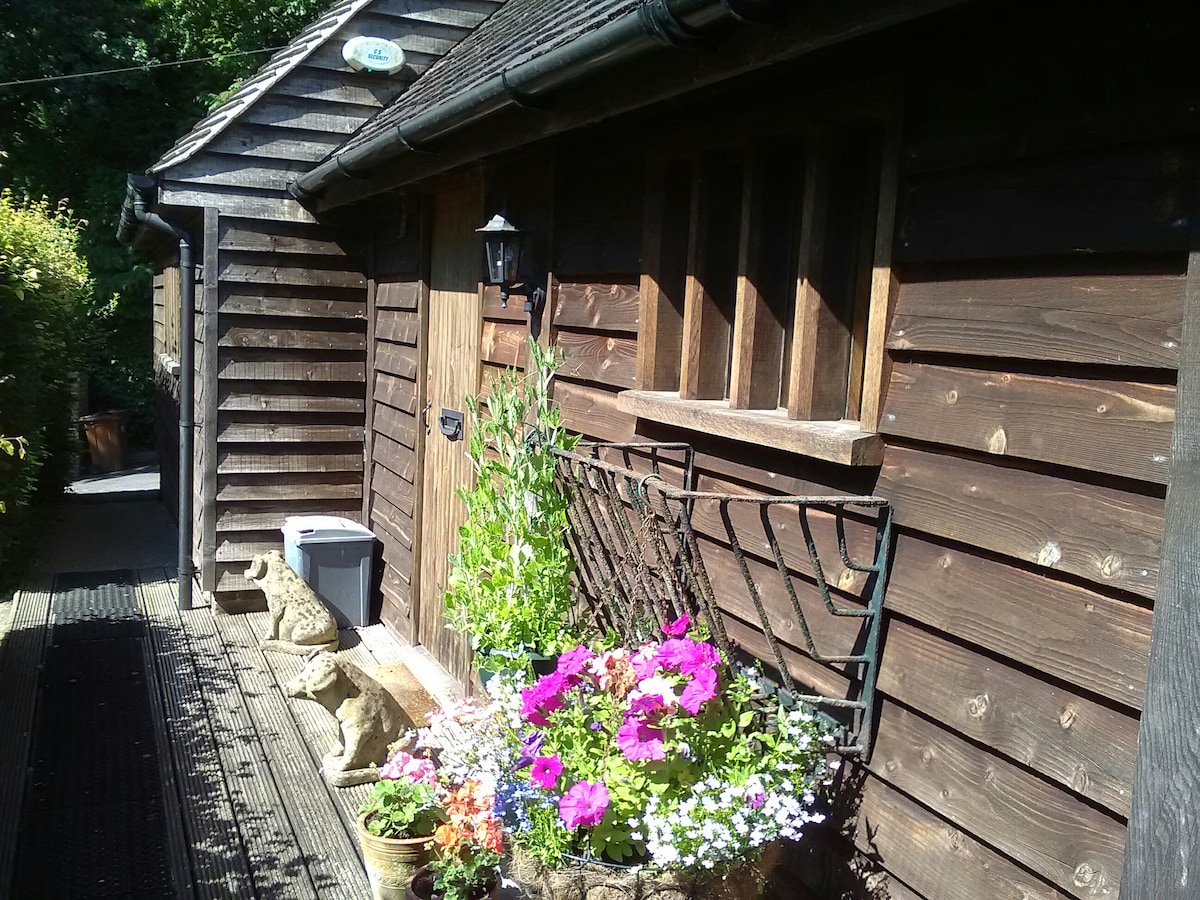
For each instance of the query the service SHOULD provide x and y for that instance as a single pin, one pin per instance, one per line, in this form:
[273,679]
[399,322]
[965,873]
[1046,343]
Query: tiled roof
[521,30]
[278,66]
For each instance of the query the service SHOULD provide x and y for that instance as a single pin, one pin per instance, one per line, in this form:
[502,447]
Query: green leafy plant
[404,802]
[44,285]
[510,584]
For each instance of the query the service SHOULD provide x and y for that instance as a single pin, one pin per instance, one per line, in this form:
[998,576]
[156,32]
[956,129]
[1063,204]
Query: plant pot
[497,661]
[420,887]
[575,878]
[391,862]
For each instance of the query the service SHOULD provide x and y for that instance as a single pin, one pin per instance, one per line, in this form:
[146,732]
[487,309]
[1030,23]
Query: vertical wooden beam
[809,396]
[1162,848]
[207,412]
[708,295]
[664,264]
[369,385]
[764,258]
[424,417]
[884,285]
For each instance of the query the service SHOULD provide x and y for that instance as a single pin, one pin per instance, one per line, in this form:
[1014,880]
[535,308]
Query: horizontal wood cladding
[347,336]
[277,237]
[290,486]
[290,397]
[1104,319]
[1121,428]
[604,307]
[396,359]
[1070,632]
[919,847]
[396,295]
[291,302]
[1102,534]
[248,462]
[273,142]
[398,393]
[503,343]
[1073,845]
[399,326]
[266,516]
[1061,734]
[236,364]
[592,411]
[321,272]
[1125,199]
[395,456]
[606,359]
[296,432]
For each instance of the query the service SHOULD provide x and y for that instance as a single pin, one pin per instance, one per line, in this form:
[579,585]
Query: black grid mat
[93,823]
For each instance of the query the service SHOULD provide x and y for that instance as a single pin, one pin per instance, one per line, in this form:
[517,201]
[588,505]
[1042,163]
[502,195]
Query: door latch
[451,424]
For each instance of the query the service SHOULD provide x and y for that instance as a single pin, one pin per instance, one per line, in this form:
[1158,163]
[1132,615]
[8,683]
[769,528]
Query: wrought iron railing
[642,561]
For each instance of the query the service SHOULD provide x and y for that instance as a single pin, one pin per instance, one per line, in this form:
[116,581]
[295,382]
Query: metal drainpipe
[654,23]
[135,205]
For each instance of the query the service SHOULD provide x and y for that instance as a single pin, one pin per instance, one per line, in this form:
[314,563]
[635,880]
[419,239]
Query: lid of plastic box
[323,530]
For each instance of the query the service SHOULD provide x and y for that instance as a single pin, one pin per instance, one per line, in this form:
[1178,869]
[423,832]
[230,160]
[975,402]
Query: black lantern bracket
[502,246]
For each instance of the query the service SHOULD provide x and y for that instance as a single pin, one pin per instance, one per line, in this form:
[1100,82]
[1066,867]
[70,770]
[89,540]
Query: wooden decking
[249,812]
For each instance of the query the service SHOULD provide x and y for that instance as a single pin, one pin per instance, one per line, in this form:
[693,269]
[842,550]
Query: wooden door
[455,308]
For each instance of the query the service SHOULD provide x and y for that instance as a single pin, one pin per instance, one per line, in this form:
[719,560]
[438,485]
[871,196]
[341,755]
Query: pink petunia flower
[686,656]
[572,663]
[545,696]
[584,804]
[545,771]
[645,662]
[401,765]
[659,687]
[638,740]
[678,628]
[701,689]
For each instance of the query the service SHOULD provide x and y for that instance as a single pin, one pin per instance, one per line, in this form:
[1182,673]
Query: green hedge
[44,287]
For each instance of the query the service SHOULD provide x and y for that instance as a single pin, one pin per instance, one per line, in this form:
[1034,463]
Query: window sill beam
[843,442]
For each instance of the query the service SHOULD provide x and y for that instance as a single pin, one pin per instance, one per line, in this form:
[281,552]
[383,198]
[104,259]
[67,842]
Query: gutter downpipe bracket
[134,212]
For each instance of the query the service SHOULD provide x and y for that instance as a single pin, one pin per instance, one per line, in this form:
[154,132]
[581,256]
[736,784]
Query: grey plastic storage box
[334,556]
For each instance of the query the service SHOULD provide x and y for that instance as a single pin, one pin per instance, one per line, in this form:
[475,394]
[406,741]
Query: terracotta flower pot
[420,887]
[391,862]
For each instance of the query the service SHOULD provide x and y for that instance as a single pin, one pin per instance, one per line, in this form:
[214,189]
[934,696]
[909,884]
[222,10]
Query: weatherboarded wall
[1038,256]
[289,360]
[395,432]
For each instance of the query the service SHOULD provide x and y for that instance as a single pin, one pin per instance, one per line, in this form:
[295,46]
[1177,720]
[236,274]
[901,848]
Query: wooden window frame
[670,386]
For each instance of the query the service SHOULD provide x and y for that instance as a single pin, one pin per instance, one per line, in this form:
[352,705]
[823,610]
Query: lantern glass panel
[503,256]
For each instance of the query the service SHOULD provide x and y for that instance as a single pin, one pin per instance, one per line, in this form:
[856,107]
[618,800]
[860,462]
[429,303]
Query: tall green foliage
[43,289]
[510,581]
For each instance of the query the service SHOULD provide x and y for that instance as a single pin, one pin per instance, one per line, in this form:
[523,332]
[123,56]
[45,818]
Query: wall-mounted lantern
[502,257]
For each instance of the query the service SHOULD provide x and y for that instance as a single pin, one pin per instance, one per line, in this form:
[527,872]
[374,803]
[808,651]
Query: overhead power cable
[142,68]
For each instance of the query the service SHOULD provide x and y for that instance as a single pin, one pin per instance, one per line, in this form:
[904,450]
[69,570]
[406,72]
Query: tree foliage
[44,286]
[78,138]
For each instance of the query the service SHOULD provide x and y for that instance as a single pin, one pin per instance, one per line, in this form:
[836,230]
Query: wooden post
[208,394]
[1162,847]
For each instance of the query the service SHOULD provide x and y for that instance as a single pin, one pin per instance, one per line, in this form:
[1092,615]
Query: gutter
[653,24]
[135,213]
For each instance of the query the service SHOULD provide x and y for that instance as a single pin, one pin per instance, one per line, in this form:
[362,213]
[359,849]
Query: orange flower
[446,835]
[489,835]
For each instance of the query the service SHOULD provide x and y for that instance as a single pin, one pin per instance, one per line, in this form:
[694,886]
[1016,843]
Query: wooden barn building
[280,330]
[938,252]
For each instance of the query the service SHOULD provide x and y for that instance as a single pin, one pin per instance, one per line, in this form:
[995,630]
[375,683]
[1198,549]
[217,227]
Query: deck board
[24,648]
[330,851]
[277,862]
[220,868]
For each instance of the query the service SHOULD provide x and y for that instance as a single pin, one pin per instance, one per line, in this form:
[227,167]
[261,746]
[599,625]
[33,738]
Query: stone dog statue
[300,623]
[369,718]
